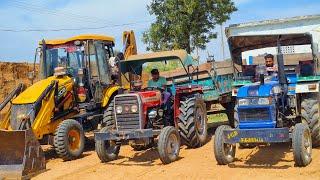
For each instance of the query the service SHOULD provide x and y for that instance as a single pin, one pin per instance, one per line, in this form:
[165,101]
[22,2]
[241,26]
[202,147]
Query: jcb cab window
[98,62]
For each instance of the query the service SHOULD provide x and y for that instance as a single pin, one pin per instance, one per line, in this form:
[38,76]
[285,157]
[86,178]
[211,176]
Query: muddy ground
[266,162]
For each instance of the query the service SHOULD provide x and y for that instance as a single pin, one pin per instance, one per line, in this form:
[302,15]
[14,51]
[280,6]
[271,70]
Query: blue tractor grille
[254,114]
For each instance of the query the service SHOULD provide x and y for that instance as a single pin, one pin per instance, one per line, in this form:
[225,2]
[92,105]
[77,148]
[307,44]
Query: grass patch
[215,118]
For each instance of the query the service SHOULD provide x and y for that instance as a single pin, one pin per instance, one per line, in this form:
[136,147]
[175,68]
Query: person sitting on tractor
[270,66]
[160,82]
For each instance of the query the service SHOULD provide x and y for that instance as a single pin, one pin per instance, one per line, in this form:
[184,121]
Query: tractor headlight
[134,108]
[243,102]
[21,115]
[152,114]
[119,109]
[264,101]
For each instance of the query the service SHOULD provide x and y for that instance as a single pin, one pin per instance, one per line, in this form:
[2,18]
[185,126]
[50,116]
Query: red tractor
[140,115]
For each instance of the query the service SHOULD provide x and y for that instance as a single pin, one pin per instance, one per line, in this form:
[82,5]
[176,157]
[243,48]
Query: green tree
[185,24]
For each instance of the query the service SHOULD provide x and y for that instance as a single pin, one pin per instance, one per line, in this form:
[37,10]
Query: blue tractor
[274,108]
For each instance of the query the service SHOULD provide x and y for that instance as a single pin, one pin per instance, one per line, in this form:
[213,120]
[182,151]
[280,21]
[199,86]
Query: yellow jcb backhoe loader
[74,95]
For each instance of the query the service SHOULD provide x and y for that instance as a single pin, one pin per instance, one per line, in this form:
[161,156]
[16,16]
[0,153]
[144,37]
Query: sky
[115,17]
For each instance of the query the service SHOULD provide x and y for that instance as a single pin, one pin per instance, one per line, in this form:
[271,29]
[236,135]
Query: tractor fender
[109,93]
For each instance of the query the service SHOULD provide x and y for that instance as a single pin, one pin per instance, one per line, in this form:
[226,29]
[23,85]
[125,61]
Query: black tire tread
[162,143]
[297,145]
[218,146]
[60,143]
[108,116]
[101,151]
[310,113]
[186,123]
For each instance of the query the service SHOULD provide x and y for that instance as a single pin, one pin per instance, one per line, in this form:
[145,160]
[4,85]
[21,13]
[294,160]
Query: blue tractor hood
[257,90]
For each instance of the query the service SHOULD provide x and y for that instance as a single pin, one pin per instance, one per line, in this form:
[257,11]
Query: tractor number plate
[270,135]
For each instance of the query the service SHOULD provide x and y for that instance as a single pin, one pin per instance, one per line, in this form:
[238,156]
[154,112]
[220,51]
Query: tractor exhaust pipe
[281,74]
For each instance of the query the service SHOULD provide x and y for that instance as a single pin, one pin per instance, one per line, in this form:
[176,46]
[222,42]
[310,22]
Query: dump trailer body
[215,78]
[21,156]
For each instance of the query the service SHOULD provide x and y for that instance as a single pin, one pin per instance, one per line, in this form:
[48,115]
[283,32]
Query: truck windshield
[70,57]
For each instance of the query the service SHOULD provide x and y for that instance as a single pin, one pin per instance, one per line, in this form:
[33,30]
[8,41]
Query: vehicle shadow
[266,157]
[51,154]
[147,157]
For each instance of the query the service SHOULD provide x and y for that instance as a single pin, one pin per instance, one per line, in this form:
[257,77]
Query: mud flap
[21,156]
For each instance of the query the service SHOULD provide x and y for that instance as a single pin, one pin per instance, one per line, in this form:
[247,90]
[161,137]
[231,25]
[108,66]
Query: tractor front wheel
[223,152]
[69,139]
[301,144]
[107,150]
[169,145]
[193,122]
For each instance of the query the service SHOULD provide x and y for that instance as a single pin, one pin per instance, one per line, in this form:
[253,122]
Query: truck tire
[224,153]
[69,139]
[301,145]
[193,122]
[107,150]
[108,116]
[310,114]
[230,110]
[169,145]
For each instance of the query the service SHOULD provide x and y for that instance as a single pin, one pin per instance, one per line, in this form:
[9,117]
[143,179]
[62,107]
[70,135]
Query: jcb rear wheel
[108,116]
[310,113]
[193,122]
[69,139]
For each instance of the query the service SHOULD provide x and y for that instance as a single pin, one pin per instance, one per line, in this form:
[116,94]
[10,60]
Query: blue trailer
[273,108]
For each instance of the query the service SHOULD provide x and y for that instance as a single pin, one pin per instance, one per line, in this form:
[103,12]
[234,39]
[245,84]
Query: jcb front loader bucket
[21,156]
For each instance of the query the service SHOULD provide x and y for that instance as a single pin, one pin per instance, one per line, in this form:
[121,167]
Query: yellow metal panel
[108,94]
[32,93]
[79,37]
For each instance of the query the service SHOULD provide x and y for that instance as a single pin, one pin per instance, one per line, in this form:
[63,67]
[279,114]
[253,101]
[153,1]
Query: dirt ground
[274,162]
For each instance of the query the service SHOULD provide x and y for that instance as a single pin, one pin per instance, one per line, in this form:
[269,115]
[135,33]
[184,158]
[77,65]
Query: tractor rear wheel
[169,144]
[108,116]
[223,152]
[310,114]
[107,150]
[193,122]
[302,145]
[69,139]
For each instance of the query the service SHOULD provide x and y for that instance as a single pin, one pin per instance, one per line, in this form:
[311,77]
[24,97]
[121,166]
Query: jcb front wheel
[69,139]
